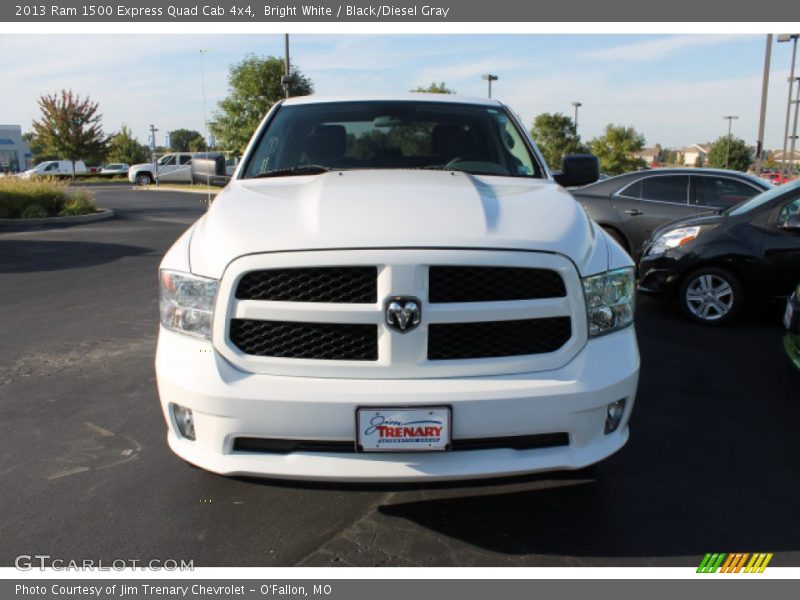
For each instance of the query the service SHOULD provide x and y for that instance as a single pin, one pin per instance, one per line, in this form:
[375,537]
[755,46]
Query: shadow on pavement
[30,256]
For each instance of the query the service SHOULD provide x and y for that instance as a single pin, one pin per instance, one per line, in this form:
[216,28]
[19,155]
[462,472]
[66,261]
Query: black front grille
[348,285]
[448,341]
[487,284]
[284,446]
[321,341]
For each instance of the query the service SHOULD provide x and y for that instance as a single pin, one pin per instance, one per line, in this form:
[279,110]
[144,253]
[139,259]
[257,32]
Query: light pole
[286,77]
[490,78]
[577,105]
[788,37]
[153,150]
[763,113]
[794,127]
[730,118]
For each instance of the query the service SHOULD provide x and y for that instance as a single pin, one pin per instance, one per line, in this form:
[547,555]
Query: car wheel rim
[709,297]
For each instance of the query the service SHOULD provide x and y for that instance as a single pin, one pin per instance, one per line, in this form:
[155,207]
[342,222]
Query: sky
[674,89]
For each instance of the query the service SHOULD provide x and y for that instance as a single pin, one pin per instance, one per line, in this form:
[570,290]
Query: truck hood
[388,208]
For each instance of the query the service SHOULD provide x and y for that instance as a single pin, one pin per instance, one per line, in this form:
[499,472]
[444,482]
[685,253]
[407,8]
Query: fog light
[614,415]
[184,420]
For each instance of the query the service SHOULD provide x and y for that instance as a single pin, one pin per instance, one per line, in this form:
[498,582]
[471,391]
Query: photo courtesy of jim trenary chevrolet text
[353,299]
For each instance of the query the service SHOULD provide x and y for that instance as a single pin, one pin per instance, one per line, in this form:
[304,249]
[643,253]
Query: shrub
[34,211]
[19,195]
[79,204]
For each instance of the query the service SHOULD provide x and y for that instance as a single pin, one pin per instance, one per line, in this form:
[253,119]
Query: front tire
[711,296]
[144,179]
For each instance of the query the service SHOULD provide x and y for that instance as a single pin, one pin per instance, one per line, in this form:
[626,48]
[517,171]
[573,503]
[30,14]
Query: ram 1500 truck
[396,290]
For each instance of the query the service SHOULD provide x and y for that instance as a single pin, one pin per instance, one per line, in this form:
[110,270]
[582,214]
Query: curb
[101,215]
[166,188]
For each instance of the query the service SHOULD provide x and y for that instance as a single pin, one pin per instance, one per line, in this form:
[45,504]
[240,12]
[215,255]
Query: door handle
[634,212]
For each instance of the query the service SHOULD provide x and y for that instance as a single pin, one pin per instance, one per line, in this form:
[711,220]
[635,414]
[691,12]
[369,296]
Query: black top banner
[397,11]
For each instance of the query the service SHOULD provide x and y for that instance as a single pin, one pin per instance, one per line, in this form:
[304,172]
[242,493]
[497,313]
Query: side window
[185,160]
[787,210]
[666,188]
[53,166]
[167,160]
[721,192]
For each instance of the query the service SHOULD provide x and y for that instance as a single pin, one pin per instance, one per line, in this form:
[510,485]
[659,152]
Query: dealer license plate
[419,429]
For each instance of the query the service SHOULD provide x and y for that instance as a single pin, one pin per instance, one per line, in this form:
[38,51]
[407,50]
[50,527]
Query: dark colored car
[631,206]
[712,264]
[791,319]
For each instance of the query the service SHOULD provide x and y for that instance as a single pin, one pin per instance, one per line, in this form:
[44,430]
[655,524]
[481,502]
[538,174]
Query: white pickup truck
[396,290]
[170,168]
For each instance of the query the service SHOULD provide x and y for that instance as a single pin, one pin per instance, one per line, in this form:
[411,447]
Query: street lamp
[788,37]
[577,105]
[730,118]
[287,79]
[490,78]
[794,127]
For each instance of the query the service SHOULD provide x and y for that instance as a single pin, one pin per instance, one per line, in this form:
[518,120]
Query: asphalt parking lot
[85,472]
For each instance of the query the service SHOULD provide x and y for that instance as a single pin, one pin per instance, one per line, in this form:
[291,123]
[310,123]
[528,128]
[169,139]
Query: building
[648,155]
[695,155]
[15,154]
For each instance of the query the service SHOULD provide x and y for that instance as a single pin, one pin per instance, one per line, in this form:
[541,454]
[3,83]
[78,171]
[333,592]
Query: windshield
[392,135]
[763,198]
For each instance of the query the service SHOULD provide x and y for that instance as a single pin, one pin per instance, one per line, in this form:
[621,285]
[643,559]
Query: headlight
[609,300]
[187,303]
[674,238]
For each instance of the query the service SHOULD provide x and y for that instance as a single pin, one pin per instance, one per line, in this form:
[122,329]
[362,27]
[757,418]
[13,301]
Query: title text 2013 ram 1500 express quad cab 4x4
[396,290]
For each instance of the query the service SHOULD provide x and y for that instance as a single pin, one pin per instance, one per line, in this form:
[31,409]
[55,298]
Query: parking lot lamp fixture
[788,37]
[577,105]
[728,143]
[490,78]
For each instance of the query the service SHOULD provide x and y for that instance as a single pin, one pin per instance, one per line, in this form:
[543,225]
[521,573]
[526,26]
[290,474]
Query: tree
[197,144]
[555,136]
[180,138]
[739,156]
[71,128]
[434,88]
[38,153]
[124,148]
[614,149]
[255,84]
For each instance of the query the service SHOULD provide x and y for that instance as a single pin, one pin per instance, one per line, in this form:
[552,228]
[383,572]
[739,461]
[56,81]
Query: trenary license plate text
[403,429]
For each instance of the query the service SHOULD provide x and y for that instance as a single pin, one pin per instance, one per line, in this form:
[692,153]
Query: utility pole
[286,78]
[730,118]
[788,37]
[153,151]
[577,105]
[763,115]
[490,78]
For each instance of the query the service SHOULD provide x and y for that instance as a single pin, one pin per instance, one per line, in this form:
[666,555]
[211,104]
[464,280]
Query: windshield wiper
[298,170]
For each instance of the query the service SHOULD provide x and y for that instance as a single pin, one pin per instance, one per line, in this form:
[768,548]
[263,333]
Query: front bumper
[660,274]
[228,403]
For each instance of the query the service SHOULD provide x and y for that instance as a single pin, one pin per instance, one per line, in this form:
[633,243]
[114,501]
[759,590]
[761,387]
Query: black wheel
[617,236]
[711,296]
[144,179]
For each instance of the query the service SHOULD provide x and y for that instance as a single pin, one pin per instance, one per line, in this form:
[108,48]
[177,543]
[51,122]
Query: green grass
[33,198]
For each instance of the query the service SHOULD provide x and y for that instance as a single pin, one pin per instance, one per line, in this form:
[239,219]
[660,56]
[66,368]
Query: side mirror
[577,170]
[792,223]
[210,170]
